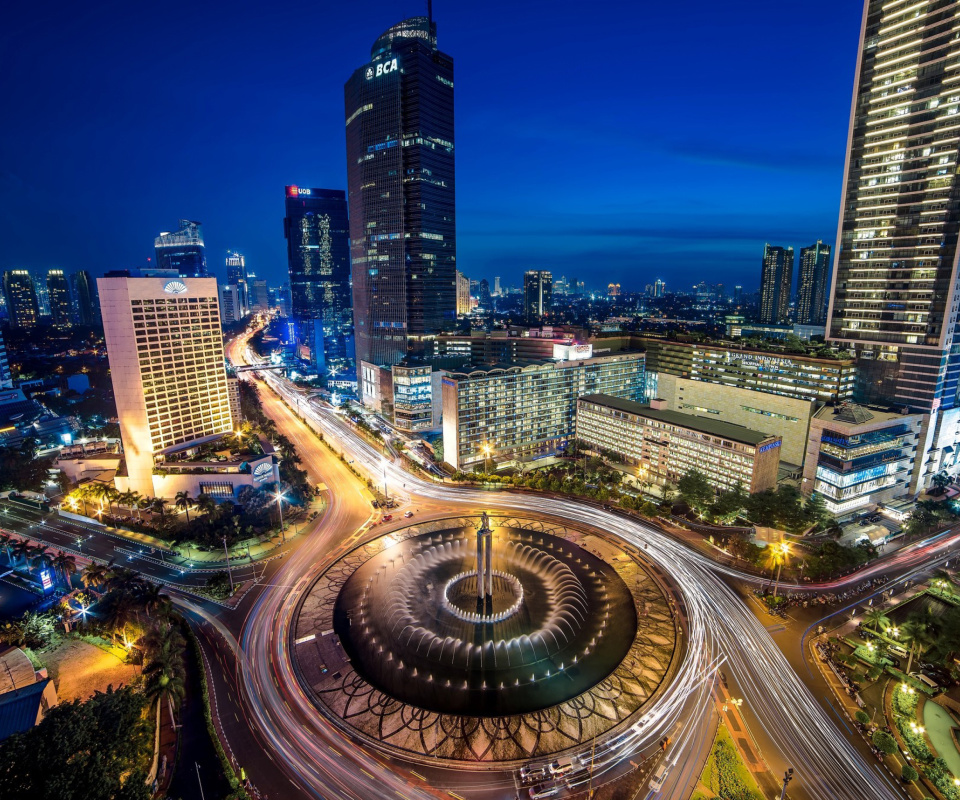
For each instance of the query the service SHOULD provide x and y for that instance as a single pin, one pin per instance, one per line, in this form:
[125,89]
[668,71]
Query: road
[720,627]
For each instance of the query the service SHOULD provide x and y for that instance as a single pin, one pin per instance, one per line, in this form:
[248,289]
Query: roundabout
[473,639]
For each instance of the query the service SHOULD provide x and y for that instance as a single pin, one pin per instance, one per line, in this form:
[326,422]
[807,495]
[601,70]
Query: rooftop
[725,430]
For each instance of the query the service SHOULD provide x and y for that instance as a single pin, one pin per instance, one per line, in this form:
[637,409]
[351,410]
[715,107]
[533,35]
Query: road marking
[305,639]
[417,775]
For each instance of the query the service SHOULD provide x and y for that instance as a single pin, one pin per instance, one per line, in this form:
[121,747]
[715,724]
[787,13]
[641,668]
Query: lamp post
[787,777]
[486,457]
[785,551]
[386,492]
[279,497]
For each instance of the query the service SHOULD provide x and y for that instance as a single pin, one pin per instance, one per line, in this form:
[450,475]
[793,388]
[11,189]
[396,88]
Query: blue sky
[608,141]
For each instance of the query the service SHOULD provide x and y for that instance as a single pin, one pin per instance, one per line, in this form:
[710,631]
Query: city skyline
[631,236]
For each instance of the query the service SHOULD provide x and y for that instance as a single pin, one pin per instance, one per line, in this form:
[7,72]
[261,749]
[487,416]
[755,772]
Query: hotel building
[527,408]
[668,444]
[165,348]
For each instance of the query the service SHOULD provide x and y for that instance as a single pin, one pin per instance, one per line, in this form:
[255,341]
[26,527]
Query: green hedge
[233,779]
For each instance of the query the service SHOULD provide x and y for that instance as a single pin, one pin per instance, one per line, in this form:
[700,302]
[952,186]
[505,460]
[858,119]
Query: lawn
[725,776]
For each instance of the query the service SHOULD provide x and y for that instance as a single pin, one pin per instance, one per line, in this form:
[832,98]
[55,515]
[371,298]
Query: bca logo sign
[382,69]
[262,472]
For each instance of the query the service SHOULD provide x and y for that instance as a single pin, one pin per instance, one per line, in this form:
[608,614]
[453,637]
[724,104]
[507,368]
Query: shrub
[862,717]
[884,742]
[909,774]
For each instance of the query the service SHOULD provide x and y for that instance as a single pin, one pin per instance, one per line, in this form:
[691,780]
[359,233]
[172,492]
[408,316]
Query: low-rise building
[527,408]
[26,694]
[664,445]
[858,456]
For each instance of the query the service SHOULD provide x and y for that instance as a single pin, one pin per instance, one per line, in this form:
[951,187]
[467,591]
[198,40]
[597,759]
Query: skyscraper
[463,295]
[537,295]
[21,297]
[182,250]
[400,178]
[237,277]
[165,348]
[86,305]
[812,284]
[6,378]
[61,306]
[895,283]
[776,280]
[318,256]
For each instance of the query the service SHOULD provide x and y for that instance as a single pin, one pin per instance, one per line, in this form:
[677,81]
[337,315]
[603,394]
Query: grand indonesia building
[400,178]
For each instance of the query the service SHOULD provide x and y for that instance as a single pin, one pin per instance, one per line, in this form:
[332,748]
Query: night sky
[608,141]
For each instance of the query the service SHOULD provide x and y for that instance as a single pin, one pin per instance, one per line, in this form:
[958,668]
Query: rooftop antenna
[430,10]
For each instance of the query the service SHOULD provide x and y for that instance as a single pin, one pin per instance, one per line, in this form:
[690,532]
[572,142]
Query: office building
[6,378]
[463,295]
[401,182]
[537,295]
[237,276]
[182,250]
[58,298]
[665,445]
[659,288]
[231,304]
[165,348]
[259,295]
[21,297]
[859,456]
[284,302]
[812,294]
[526,409]
[787,374]
[496,287]
[776,280]
[317,231]
[737,295]
[613,290]
[86,303]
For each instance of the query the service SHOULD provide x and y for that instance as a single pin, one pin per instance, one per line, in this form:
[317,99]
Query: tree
[816,510]
[65,565]
[81,751]
[163,646]
[729,504]
[6,542]
[940,483]
[34,630]
[42,557]
[696,490]
[862,717]
[94,575]
[22,549]
[916,632]
[206,504]
[884,742]
[909,774]
[876,619]
[183,501]
[775,556]
[159,506]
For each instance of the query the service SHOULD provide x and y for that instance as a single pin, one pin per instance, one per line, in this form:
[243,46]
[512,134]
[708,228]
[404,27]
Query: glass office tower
[400,178]
[537,295]
[21,296]
[895,290]
[182,250]
[318,255]
[86,303]
[61,306]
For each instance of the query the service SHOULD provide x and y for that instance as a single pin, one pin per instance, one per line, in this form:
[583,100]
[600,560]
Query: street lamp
[280,498]
[784,552]
[386,493]
[486,457]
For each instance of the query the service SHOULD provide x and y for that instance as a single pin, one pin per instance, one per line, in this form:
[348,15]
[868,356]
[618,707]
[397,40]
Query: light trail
[718,625]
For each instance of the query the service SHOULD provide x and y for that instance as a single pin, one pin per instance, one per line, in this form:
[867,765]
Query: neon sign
[382,69]
[262,471]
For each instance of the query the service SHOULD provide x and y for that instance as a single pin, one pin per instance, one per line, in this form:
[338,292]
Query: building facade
[859,456]
[776,283]
[231,305]
[182,250]
[464,306]
[812,294]
[317,231]
[86,304]
[537,295]
[165,349]
[401,186]
[525,409]
[665,445]
[237,276]
[21,297]
[61,305]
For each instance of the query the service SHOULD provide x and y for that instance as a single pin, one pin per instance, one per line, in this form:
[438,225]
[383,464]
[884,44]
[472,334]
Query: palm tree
[876,619]
[916,632]
[5,542]
[159,506]
[124,581]
[95,574]
[943,580]
[151,598]
[163,647]
[183,501]
[206,504]
[22,549]
[66,565]
[135,499]
[775,555]
[41,557]
[111,496]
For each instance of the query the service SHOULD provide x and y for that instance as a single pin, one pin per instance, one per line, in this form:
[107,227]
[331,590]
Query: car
[544,790]
[387,517]
[531,774]
[657,781]
[408,514]
[563,766]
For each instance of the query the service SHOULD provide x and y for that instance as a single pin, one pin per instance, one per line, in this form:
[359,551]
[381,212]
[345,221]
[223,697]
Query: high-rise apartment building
[58,294]
[165,348]
[496,286]
[400,178]
[895,284]
[231,308]
[659,288]
[6,378]
[776,280]
[86,304]
[463,295]
[812,283]
[537,295]
[182,250]
[21,298]
[318,255]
